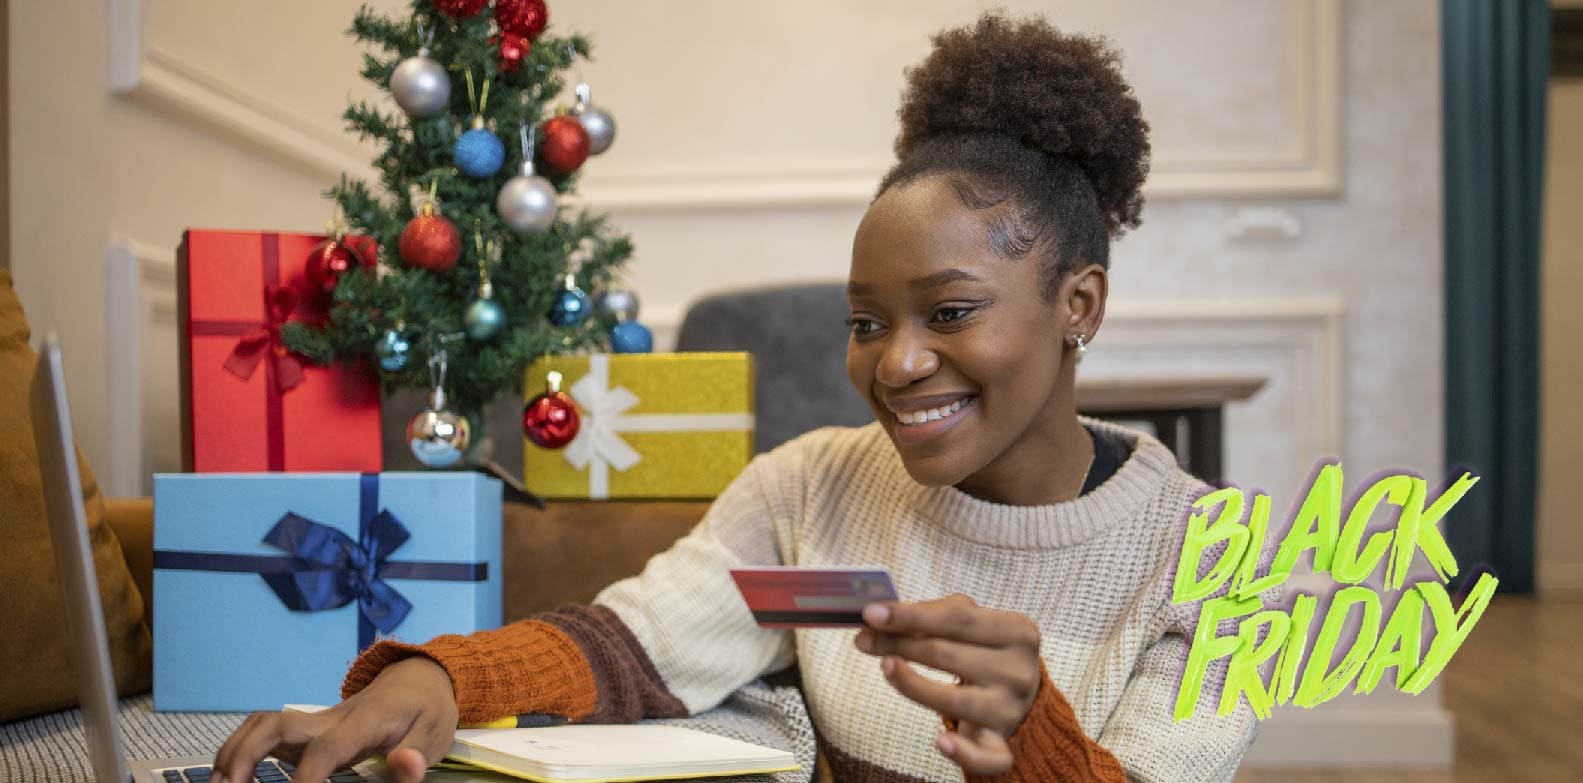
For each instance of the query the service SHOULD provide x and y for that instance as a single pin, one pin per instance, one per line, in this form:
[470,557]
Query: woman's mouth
[924,423]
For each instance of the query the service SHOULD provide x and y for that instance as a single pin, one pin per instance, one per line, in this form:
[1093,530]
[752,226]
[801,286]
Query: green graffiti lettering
[1207,646]
[1200,535]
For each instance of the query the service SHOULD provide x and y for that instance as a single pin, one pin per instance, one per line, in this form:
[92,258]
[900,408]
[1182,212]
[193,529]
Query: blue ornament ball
[479,154]
[392,350]
[631,337]
[484,319]
[571,308]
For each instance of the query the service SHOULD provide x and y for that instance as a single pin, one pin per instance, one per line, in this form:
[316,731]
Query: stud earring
[1082,348]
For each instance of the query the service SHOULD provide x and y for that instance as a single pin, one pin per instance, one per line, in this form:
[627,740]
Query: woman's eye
[861,326]
[946,315]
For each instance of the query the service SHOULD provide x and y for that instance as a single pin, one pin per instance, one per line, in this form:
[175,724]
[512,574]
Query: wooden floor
[1516,691]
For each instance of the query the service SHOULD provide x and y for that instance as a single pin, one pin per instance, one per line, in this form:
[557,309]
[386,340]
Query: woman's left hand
[995,656]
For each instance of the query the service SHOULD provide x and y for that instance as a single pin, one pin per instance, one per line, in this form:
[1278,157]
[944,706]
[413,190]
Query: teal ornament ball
[631,337]
[484,319]
[392,350]
[572,308]
[479,154]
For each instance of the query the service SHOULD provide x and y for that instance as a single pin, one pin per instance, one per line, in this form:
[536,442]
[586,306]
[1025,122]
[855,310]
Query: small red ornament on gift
[550,420]
[249,404]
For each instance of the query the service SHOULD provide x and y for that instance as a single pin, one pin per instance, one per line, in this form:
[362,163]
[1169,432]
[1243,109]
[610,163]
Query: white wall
[1293,231]
[1560,537]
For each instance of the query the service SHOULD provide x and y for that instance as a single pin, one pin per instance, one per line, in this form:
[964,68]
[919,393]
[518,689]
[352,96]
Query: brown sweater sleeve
[1050,746]
[579,662]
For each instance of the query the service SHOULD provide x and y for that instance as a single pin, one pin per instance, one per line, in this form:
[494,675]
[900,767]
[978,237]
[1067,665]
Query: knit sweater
[1094,573]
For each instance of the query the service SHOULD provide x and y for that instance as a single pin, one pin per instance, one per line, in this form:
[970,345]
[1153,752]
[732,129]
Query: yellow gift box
[651,425]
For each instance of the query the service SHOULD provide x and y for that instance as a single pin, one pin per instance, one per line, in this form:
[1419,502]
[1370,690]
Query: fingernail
[864,641]
[888,665]
[946,744]
[876,614]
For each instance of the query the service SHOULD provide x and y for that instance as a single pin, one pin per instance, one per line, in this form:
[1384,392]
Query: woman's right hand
[408,713]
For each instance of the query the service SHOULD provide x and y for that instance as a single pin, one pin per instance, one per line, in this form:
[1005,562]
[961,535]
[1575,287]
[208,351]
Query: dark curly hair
[1034,126]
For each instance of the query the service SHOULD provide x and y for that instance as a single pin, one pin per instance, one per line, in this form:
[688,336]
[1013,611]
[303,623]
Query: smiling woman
[1033,550]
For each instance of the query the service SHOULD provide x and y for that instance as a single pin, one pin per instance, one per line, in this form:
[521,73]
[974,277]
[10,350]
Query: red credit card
[795,597]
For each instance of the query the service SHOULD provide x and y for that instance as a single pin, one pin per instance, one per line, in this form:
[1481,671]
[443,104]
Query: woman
[1034,549]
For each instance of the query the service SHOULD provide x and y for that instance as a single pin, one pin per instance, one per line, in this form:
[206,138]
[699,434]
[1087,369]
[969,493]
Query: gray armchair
[797,335]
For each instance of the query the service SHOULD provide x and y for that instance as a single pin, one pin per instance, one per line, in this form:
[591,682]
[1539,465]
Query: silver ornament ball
[438,436]
[420,85]
[601,128]
[618,304]
[527,202]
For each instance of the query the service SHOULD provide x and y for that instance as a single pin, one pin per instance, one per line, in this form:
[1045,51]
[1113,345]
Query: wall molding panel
[1303,165]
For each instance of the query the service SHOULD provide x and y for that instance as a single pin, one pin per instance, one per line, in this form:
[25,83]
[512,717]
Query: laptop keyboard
[268,771]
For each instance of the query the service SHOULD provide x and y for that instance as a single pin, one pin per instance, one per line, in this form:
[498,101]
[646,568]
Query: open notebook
[594,753]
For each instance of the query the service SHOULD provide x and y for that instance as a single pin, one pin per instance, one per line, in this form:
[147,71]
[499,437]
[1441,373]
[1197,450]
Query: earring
[1082,349]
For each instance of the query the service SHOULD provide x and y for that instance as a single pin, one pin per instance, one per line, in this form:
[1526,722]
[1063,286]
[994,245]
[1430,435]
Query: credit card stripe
[823,618]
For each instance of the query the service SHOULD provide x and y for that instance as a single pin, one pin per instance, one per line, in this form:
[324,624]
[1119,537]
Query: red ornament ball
[431,242]
[328,261]
[514,49]
[460,9]
[550,420]
[565,145]
[526,18]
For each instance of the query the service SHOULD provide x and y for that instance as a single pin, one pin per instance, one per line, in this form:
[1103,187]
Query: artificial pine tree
[487,285]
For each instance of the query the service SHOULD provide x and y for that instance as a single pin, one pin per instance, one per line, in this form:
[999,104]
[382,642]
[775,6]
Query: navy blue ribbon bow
[326,569]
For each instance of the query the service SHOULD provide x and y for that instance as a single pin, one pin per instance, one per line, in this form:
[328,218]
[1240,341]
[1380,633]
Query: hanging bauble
[328,261]
[550,420]
[617,304]
[420,85]
[565,144]
[526,18]
[526,202]
[597,122]
[631,337]
[438,436]
[484,317]
[572,306]
[430,241]
[478,152]
[514,48]
[393,350]
[460,9]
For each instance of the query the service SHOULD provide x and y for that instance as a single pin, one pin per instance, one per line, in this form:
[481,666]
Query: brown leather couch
[565,553]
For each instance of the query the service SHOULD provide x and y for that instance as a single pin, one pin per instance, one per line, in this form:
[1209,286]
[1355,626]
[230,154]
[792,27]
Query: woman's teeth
[933,414]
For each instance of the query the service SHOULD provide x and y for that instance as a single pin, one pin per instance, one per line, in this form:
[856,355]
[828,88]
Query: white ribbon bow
[598,445]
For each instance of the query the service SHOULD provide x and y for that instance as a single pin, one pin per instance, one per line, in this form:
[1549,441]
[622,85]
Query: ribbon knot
[252,346]
[338,569]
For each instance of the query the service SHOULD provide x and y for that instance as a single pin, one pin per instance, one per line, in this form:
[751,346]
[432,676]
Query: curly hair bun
[1060,94]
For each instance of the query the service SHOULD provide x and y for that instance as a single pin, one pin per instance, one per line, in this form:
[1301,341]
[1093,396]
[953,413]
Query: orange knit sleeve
[1051,746]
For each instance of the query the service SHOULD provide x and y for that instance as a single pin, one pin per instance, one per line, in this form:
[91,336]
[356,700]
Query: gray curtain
[1496,55]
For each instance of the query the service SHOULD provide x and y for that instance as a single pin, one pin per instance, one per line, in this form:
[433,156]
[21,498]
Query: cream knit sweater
[1094,574]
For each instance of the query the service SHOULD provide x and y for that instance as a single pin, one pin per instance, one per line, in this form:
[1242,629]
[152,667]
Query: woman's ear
[1083,296]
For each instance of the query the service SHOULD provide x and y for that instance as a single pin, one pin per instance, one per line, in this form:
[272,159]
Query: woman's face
[955,348]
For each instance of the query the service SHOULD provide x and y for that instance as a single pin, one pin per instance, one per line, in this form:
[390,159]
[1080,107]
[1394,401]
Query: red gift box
[247,403]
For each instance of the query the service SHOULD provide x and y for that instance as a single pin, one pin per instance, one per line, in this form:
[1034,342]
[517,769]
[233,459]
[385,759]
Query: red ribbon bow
[253,346]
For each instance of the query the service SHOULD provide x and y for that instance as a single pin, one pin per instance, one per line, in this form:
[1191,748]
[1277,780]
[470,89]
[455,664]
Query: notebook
[599,753]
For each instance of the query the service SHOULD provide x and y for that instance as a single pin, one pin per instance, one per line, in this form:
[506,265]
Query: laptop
[90,649]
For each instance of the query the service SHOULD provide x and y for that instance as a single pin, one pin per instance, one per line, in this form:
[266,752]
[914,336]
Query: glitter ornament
[550,420]
[526,18]
[430,241]
[631,337]
[513,49]
[460,9]
[478,153]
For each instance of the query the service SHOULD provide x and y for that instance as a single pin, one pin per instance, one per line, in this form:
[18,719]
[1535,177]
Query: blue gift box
[266,586]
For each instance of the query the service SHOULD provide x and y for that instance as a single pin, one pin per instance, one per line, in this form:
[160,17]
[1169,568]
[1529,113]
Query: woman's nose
[905,360]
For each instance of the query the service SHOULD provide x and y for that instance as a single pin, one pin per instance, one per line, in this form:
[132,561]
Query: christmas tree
[475,263]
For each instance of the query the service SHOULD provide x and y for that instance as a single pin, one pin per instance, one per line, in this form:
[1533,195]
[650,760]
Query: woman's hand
[995,656]
[408,713]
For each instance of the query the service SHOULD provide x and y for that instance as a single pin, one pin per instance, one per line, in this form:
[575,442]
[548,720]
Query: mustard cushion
[35,664]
